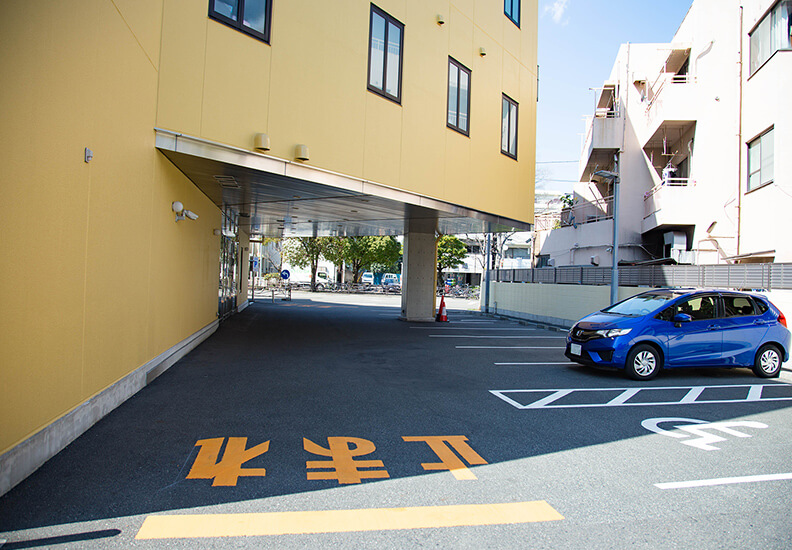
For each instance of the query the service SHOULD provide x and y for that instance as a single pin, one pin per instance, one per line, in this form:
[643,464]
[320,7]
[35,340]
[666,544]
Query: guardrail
[742,276]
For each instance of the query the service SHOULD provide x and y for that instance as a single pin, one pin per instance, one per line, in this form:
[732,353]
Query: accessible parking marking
[343,521]
[643,396]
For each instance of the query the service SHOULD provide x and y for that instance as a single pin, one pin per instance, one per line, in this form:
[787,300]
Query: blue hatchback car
[669,328]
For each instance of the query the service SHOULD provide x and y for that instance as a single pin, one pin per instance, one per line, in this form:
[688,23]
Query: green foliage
[379,254]
[451,252]
[305,251]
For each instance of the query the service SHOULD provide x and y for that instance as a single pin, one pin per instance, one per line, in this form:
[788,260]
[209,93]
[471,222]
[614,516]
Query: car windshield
[642,304]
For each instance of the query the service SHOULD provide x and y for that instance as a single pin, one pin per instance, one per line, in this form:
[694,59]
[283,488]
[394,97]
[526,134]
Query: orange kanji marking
[345,468]
[227,471]
[448,460]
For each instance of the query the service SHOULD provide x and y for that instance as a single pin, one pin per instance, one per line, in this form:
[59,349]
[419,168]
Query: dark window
[509,127]
[667,314]
[699,307]
[737,306]
[249,16]
[512,10]
[763,307]
[761,158]
[458,97]
[386,44]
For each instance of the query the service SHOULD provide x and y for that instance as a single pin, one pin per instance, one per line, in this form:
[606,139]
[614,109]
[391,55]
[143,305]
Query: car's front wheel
[643,362]
[768,362]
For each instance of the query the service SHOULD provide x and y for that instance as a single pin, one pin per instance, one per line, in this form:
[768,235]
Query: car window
[763,307]
[667,314]
[737,306]
[641,304]
[698,307]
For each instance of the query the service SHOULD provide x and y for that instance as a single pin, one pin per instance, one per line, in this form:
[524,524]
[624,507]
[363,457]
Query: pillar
[419,270]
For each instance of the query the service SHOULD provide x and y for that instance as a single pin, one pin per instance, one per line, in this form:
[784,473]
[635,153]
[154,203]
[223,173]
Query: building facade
[695,130]
[172,132]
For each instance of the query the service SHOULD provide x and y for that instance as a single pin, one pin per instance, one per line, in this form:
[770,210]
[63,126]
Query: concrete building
[695,129]
[145,142]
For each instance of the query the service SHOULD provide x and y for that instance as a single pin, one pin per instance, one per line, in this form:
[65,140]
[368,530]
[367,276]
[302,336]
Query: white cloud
[557,9]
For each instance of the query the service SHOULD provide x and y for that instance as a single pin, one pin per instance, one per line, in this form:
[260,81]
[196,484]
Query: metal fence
[737,276]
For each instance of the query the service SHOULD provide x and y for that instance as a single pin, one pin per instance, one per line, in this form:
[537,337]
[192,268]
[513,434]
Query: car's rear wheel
[768,362]
[643,362]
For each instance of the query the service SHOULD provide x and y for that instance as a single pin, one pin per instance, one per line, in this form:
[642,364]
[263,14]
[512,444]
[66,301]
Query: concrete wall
[564,305]
[560,305]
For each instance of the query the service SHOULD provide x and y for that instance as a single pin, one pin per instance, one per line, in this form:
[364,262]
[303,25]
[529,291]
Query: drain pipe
[739,138]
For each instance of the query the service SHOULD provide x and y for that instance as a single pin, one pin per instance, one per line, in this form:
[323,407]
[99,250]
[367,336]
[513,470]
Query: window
[737,306]
[458,96]
[512,10]
[509,127]
[385,55]
[760,160]
[773,33]
[249,16]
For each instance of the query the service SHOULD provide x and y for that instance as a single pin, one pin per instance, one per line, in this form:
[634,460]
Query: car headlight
[614,332]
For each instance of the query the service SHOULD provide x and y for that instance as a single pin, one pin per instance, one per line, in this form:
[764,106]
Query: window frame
[389,19]
[239,25]
[765,24]
[508,11]
[512,103]
[759,140]
[460,68]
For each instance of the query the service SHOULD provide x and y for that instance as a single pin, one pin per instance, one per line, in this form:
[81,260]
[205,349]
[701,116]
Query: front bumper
[602,352]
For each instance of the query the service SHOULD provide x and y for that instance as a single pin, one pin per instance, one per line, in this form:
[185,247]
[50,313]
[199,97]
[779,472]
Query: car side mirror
[680,318]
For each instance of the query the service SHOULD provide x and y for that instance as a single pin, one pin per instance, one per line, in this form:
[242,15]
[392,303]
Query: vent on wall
[227,182]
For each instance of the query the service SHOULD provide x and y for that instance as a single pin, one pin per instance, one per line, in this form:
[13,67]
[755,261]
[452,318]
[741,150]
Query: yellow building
[124,119]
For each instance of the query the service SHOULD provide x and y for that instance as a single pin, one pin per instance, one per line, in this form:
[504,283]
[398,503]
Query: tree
[379,254]
[305,251]
[451,252]
[386,254]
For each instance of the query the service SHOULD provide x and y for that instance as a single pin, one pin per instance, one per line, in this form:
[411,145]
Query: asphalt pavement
[325,422]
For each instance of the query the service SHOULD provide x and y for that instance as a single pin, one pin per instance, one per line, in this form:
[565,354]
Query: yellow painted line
[343,521]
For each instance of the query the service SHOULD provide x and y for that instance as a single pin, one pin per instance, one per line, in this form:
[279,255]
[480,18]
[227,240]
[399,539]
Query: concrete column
[419,271]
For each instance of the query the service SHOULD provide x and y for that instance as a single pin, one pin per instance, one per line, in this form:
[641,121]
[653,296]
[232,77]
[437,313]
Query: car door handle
[761,323]
[713,327]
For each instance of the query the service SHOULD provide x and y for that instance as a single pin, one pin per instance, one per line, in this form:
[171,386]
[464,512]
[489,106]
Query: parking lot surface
[325,422]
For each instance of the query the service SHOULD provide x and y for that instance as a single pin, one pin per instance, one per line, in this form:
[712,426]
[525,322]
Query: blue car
[670,328]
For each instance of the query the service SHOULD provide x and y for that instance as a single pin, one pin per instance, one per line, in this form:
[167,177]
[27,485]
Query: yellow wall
[96,277]
[309,87]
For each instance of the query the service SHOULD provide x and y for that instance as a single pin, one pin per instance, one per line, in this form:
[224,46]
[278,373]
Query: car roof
[692,291]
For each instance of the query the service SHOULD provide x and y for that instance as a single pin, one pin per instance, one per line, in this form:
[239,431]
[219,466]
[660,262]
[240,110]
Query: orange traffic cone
[442,317]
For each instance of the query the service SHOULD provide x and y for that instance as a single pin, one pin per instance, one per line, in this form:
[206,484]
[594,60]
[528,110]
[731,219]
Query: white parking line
[722,481]
[508,347]
[494,336]
[534,364]
[477,328]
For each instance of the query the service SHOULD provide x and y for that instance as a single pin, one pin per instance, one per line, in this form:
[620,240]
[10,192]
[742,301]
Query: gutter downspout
[739,138]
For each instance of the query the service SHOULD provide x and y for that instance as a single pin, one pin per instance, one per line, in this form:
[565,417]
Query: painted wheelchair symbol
[685,428]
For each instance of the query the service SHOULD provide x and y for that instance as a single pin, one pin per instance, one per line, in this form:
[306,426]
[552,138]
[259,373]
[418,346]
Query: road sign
[285,274]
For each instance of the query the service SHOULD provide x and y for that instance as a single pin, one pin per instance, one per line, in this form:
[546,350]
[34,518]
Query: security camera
[190,214]
[177,207]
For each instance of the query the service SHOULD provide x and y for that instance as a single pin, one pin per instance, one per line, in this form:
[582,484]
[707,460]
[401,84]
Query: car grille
[583,335]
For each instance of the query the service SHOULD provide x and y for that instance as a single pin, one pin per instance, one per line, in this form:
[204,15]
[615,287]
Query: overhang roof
[279,198]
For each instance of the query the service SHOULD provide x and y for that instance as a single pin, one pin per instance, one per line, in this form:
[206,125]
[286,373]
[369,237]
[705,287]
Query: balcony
[582,212]
[669,204]
[604,132]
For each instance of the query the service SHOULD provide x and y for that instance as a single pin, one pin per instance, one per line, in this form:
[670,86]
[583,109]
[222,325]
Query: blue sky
[578,43]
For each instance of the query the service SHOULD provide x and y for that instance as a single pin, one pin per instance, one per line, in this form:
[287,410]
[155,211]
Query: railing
[743,276]
[670,182]
[662,80]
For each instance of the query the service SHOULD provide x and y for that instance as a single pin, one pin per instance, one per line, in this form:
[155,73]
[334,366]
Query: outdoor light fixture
[482,52]
[440,20]
[301,152]
[261,142]
[182,213]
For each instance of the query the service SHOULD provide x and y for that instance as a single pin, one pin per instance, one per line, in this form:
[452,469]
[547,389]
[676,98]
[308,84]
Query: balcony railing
[582,212]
